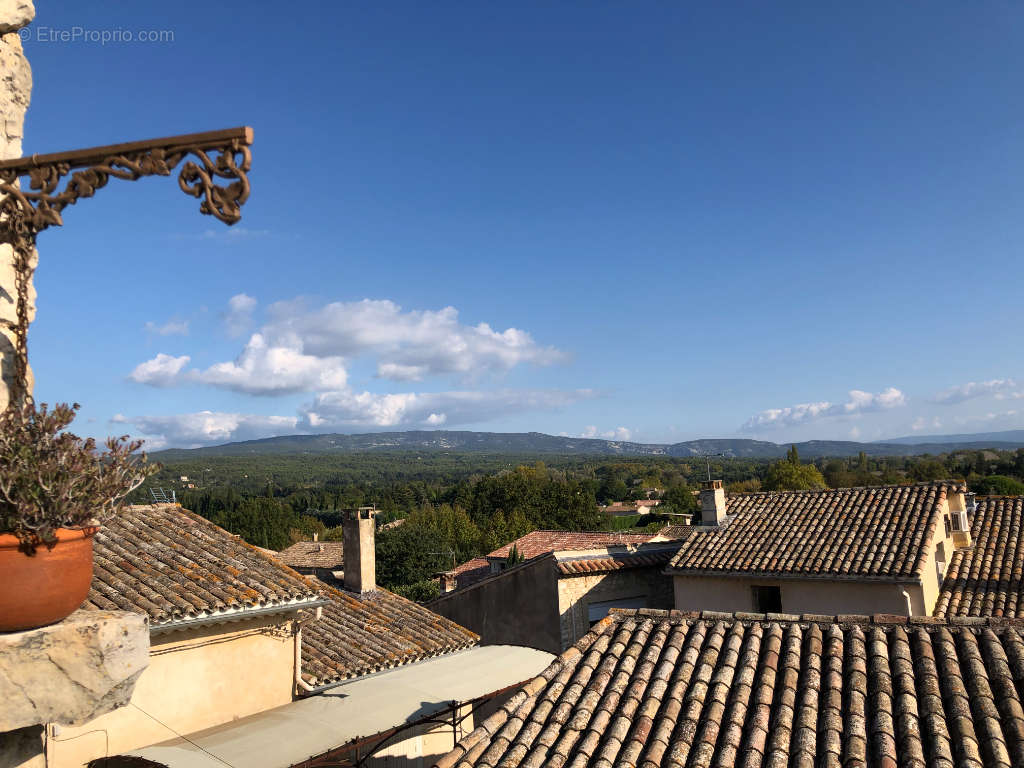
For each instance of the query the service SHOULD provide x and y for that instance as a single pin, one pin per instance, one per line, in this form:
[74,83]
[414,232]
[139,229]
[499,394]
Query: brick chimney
[712,503]
[360,556]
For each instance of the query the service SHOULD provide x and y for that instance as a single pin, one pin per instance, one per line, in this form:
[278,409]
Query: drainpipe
[298,650]
[906,596]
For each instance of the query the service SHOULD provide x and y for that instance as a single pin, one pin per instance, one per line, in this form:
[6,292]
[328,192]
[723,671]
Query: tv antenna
[161,496]
[447,553]
[707,455]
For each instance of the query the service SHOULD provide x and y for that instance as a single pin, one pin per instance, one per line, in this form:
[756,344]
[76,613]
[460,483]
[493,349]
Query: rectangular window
[945,519]
[767,599]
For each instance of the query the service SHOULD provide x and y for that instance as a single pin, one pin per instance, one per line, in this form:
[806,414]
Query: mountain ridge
[540,443]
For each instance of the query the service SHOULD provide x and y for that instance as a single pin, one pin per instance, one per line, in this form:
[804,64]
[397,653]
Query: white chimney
[360,557]
[316,536]
[712,503]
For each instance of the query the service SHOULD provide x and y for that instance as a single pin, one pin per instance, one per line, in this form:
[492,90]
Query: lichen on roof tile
[659,689]
[845,532]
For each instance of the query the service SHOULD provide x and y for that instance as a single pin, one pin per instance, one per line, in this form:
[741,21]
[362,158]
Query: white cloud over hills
[858,402]
[191,430]
[1000,389]
[309,349]
[336,411]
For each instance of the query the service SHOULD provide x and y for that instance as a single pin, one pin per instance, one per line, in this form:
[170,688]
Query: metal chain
[23,271]
[21,237]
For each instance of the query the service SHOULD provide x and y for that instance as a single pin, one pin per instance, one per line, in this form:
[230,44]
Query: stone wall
[15,93]
[67,673]
[577,593]
[518,606]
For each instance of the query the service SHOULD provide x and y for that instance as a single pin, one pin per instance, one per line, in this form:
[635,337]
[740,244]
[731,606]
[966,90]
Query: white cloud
[922,422]
[238,318]
[263,369]
[191,430]
[399,372]
[334,411]
[260,369]
[170,328]
[859,402]
[305,350]
[619,433]
[409,345]
[1000,389]
[162,371]
[368,410]
[1000,416]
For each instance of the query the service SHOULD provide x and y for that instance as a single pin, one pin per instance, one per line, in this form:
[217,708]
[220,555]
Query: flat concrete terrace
[353,711]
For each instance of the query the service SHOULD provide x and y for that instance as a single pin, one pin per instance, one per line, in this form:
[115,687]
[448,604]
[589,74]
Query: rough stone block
[73,671]
[15,14]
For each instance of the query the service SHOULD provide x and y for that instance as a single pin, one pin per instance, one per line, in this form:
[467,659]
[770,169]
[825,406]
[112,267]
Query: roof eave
[784,576]
[233,615]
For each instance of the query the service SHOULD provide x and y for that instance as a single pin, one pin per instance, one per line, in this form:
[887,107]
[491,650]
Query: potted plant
[55,491]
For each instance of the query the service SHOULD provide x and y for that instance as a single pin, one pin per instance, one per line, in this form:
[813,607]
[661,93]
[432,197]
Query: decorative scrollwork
[220,156]
[41,205]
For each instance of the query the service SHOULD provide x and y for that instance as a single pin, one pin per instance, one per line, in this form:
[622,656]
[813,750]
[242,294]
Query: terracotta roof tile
[988,579]
[173,565]
[541,542]
[846,532]
[471,571]
[360,634]
[537,543]
[314,554]
[656,688]
[615,561]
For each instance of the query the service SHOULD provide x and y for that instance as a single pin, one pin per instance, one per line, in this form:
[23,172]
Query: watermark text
[108,36]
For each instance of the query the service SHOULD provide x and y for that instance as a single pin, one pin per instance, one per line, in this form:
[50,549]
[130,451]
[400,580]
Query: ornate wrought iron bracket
[218,175]
[219,155]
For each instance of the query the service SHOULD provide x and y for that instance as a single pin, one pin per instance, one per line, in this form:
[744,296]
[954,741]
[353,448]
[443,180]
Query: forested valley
[459,506]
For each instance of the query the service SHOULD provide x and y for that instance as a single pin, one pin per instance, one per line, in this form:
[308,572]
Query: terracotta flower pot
[45,587]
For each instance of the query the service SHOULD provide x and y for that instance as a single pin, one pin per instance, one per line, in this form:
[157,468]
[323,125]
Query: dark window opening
[767,599]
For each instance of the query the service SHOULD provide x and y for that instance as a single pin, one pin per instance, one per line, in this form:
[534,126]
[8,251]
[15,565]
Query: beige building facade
[196,679]
[845,551]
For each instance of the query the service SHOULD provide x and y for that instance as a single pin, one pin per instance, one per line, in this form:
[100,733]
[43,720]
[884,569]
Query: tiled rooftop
[988,579]
[658,688]
[471,571]
[538,543]
[360,634]
[878,532]
[173,565]
[604,562]
[313,554]
[541,542]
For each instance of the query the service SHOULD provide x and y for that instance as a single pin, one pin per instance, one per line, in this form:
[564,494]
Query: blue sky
[661,221]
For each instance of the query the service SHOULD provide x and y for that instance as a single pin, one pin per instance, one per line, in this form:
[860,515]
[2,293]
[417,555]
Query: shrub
[52,479]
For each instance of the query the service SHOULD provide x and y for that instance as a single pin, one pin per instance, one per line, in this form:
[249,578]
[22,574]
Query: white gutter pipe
[298,650]
[906,596]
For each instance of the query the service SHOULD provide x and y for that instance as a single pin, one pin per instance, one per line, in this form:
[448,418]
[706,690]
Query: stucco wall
[704,593]
[15,94]
[196,679]
[576,593]
[930,580]
[517,607]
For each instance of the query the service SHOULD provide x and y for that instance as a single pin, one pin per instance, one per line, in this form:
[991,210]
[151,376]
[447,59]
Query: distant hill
[432,440]
[1015,436]
[540,444]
